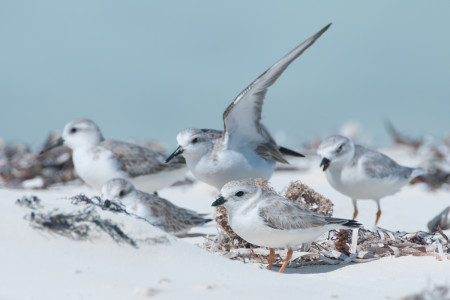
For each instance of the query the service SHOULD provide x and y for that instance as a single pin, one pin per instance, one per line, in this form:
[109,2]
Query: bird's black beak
[177,152]
[325,163]
[57,143]
[219,201]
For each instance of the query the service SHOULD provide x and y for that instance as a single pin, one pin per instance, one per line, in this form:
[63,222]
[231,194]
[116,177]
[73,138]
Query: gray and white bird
[97,160]
[158,211]
[267,219]
[245,149]
[361,173]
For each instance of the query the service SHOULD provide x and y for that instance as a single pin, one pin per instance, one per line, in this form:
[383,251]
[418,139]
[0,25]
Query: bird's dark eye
[122,193]
[73,130]
[339,149]
[194,140]
[239,194]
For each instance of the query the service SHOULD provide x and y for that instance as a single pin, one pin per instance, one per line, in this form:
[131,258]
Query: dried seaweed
[77,225]
[337,248]
[31,202]
[309,198]
[22,166]
[435,156]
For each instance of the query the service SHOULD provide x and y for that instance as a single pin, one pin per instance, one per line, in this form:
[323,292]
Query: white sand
[35,264]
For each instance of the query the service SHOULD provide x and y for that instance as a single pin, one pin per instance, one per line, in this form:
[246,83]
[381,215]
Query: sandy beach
[40,264]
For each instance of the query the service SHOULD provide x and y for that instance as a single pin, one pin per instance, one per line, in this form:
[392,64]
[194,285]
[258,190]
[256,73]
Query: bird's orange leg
[271,258]
[378,212]
[355,209]
[286,261]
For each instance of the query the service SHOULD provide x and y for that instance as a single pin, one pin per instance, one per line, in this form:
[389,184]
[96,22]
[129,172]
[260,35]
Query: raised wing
[137,161]
[242,117]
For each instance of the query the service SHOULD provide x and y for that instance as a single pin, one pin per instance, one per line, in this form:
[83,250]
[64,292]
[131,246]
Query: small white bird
[97,160]
[158,211]
[245,149]
[361,173]
[266,219]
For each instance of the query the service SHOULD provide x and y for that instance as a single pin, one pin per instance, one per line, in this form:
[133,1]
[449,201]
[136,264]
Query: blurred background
[147,69]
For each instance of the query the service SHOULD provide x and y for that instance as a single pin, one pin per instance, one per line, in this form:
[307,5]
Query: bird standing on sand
[361,173]
[267,219]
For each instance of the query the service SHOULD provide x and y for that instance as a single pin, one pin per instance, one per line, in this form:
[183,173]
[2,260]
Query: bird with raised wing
[245,149]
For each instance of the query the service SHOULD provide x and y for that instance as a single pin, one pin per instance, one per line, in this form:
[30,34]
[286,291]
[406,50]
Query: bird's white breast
[96,166]
[226,165]
[352,181]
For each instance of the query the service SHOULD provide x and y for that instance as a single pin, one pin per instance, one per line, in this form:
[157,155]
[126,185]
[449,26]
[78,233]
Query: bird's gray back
[176,218]
[136,160]
[378,165]
[281,213]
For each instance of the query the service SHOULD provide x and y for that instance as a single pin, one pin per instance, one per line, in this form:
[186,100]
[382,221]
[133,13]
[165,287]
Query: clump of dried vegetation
[23,167]
[344,246]
[82,223]
[435,156]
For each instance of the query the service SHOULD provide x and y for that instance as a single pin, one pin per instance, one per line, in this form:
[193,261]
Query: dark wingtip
[286,151]
[352,223]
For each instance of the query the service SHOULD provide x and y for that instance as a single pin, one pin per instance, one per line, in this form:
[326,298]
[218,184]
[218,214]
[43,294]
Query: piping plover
[245,149]
[158,211]
[361,173]
[267,219]
[97,160]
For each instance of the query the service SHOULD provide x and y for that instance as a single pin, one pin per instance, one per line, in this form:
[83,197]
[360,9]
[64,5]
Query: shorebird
[267,219]
[97,160]
[158,211]
[361,173]
[245,149]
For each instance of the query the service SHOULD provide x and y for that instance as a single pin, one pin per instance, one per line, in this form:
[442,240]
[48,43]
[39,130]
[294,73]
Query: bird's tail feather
[286,151]
[344,222]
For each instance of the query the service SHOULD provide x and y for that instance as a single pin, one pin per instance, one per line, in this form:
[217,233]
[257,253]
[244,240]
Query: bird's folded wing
[378,165]
[137,161]
[285,214]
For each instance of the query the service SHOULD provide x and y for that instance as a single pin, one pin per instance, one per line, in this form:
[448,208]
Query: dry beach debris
[340,247]
[435,156]
[85,222]
[368,246]
[22,166]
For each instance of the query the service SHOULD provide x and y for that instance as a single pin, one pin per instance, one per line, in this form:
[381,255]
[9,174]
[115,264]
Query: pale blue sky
[148,69]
